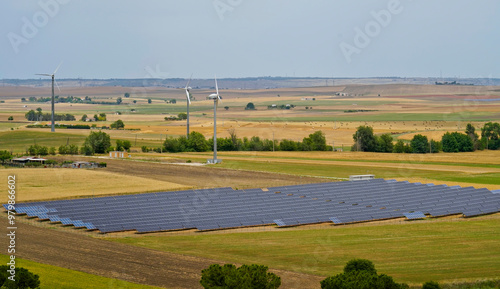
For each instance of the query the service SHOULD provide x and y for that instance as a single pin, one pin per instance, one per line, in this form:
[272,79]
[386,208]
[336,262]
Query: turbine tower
[187,89]
[216,98]
[52,129]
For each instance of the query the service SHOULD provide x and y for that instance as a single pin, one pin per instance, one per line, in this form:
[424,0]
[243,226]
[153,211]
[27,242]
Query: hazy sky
[239,38]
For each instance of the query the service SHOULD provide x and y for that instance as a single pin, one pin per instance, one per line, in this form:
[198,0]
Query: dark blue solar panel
[220,208]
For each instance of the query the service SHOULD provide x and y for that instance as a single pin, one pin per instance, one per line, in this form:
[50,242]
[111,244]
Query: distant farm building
[117,154]
[361,177]
[28,159]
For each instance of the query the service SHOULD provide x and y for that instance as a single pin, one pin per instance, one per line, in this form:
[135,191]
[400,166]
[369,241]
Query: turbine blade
[44,74]
[188,96]
[57,67]
[57,85]
[189,81]
[216,86]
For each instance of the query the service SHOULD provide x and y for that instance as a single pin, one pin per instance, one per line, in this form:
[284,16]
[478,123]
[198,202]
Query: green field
[20,140]
[413,252]
[53,277]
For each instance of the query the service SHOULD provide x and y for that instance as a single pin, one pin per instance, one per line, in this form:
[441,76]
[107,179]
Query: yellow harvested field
[34,184]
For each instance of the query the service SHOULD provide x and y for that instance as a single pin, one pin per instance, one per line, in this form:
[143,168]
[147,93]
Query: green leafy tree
[24,278]
[457,142]
[126,95]
[84,117]
[11,118]
[384,143]
[182,116]
[470,131]
[315,142]
[197,142]
[119,145]
[5,156]
[491,135]
[431,285]
[96,143]
[52,151]
[38,150]
[245,277]
[118,124]
[435,146]
[134,101]
[399,147]
[419,144]
[119,100]
[364,139]
[361,274]
[250,106]
[149,100]
[226,107]
[288,145]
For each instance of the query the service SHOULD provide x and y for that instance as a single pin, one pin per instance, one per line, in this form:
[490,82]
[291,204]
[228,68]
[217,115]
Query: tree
[456,142]
[96,143]
[11,118]
[4,156]
[245,277]
[119,100]
[315,142]
[288,145]
[52,151]
[38,150]
[118,124]
[435,146]
[364,140]
[134,101]
[491,133]
[182,116]
[250,106]
[197,142]
[431,285]
[361,274]
[24,278]
[102,117]
[127,95]
[384,143]
[470,131]
[419,144]
[84,117]
[149,100]
[226,107]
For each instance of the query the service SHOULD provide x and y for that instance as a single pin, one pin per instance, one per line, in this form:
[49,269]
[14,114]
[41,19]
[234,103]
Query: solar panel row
[211,209]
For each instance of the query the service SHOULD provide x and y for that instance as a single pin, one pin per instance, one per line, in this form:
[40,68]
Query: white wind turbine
[216,98]
[188,96]
[52,129]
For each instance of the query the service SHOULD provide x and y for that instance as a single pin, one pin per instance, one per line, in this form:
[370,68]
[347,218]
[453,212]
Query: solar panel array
[221,208]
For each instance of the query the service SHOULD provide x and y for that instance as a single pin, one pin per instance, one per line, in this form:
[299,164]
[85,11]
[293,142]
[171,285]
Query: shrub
[96,142]
[431,285]
[361,274]
[24,278]
[247,276]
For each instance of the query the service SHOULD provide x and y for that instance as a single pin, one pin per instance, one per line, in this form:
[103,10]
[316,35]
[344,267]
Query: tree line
[38,115]
[198,143]
[469,141]
[357,274]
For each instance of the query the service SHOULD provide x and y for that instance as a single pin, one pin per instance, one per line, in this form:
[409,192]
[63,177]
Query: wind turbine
[52,129]
[216,98]
[187,89]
